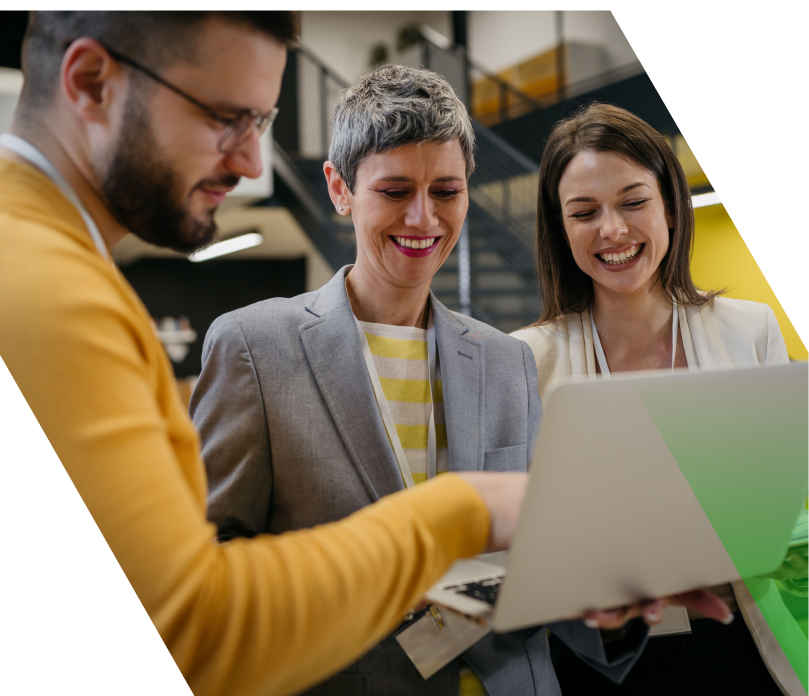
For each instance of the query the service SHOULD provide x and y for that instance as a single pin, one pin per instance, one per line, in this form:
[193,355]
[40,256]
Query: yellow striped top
[400,358]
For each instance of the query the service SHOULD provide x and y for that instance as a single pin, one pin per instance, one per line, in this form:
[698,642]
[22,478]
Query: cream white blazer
[721,333]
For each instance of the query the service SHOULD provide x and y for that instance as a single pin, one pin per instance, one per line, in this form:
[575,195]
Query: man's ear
[338,190]
[90,80]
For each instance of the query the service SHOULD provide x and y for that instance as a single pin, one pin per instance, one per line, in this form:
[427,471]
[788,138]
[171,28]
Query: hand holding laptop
[504,493]
[652,612]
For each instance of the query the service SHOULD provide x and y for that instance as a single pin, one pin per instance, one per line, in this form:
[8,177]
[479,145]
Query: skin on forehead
[235,68]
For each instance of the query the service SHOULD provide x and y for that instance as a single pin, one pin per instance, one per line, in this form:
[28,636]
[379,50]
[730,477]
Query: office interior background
[518,73]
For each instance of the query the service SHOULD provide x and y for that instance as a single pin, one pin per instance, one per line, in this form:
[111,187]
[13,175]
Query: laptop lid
[651,484]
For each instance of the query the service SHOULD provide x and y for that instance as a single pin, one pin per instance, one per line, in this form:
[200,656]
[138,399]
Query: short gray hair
[394,106]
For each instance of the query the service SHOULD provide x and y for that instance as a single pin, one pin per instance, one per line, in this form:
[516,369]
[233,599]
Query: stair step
[502,292]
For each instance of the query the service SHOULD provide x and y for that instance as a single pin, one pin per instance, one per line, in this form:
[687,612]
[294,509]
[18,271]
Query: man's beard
[145,194]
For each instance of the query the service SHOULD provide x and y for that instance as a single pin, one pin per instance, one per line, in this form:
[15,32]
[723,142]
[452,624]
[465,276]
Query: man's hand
[652,611]
[503,494]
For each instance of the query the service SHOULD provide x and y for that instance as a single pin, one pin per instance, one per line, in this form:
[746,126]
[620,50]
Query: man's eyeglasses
[237,129]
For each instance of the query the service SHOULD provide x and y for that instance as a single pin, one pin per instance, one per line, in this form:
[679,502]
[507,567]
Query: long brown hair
[604,128]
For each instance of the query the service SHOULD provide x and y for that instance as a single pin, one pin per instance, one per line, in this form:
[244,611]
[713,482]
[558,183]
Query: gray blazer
[292,437]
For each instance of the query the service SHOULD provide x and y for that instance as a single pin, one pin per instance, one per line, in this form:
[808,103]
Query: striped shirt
[400,358]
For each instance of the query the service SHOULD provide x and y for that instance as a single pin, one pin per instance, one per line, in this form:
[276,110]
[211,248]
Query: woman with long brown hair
[614,235]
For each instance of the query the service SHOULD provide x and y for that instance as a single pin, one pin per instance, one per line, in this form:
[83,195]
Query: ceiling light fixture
[705,199]
[228,246]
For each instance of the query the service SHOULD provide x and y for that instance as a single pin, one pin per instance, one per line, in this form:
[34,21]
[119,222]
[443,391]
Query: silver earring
[339,209]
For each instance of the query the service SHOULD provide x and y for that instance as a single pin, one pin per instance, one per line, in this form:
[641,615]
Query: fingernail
[729,619]
[592,623]
[653,615]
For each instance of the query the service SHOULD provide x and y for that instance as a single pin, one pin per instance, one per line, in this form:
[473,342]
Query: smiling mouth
[621,257]
[410,243]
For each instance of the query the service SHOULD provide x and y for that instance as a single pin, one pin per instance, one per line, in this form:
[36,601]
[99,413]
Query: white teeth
[415,243]
[622,256]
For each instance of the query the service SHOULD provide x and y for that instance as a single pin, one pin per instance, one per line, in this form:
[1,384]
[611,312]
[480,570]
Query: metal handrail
[323,67]
[500,81]
[469,63]
[492,233]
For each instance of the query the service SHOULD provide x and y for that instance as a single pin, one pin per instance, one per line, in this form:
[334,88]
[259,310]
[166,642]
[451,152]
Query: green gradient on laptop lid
[727,466]
[725,463]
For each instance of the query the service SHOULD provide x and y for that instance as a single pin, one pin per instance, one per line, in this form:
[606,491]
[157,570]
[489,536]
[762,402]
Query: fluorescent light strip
[718,197]
[228,246]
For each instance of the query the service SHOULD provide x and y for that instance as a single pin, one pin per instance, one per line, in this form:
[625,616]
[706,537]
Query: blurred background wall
[518,73]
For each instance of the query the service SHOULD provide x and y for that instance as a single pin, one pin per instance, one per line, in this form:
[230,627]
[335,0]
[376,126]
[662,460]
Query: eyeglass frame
[261,121]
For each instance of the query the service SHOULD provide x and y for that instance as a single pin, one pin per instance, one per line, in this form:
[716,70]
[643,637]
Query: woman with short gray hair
[370,385]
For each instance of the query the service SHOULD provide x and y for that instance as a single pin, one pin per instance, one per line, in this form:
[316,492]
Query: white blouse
[721,333]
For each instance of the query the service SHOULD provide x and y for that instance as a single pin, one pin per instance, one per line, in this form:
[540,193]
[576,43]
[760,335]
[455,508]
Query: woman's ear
[338,191]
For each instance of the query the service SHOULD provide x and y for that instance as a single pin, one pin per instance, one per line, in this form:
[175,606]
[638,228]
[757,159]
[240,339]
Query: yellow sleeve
[259,616]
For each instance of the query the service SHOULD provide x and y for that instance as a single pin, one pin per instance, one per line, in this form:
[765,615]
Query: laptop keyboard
[483,590]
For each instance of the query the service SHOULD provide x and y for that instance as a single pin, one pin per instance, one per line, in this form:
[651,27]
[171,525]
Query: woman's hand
[794,566]
[652,611]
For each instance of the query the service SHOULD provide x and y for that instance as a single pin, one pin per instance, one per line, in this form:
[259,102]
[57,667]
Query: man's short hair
[393,106]
[155,39]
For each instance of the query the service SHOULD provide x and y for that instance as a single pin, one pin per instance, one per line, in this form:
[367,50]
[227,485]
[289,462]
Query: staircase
[491,272]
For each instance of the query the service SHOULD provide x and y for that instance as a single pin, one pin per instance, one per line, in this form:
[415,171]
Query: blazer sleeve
[776,346]
[228,410]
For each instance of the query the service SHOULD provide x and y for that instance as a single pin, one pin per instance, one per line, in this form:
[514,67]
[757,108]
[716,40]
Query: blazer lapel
[580,341]
[462,376]
[688,341]
[699,338]
[332,346]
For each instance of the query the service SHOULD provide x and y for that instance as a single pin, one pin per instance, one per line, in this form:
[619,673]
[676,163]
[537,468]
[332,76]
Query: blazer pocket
[513,458]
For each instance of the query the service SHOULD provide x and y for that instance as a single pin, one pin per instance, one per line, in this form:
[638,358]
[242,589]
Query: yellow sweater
[268,615]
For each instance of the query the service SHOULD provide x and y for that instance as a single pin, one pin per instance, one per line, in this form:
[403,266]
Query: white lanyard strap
[602,359]
[27,151]
[384,410]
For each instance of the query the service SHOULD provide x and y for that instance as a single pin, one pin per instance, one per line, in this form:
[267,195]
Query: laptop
[647,485]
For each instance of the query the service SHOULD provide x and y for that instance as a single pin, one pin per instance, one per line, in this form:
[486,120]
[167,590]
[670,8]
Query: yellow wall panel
[759,252]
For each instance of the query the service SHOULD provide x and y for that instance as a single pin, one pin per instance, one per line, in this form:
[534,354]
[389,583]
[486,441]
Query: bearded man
[141,123]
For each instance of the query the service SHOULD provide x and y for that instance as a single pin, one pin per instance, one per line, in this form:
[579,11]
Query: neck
[382,303]
[635,330]
[74,165]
